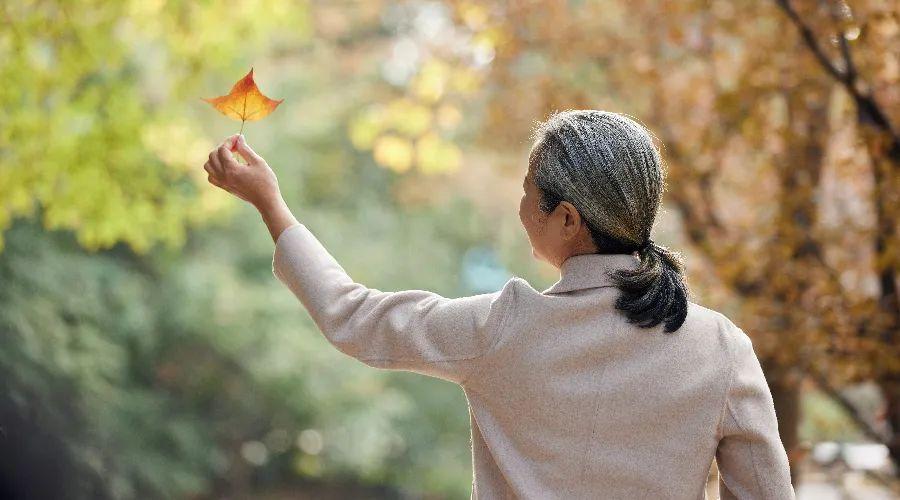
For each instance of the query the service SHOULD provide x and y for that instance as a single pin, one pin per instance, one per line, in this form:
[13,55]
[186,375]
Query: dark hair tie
[645,245]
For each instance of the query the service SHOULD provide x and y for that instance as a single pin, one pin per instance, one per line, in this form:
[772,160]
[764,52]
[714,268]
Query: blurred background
[146,350]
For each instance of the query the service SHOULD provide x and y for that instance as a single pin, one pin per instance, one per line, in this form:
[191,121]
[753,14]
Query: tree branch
[810,39]
[852,411]
[869,110]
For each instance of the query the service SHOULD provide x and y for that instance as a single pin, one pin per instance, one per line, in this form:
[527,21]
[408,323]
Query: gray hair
[607,166]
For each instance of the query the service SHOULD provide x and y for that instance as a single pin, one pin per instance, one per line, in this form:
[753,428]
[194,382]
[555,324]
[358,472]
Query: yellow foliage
[474,15]
[177,144]
[491,37]
[393,152]
[465,81]
[435,155]
[365,127]
[408,117]
[449,116]
[430,83]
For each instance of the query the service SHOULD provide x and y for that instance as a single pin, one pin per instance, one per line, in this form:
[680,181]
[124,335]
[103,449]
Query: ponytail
[655,292]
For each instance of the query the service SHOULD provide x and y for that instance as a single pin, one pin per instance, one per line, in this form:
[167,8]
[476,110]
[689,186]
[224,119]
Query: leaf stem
[242,126]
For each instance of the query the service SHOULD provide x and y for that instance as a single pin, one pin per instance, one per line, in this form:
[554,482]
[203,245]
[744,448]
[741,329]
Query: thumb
[244,149]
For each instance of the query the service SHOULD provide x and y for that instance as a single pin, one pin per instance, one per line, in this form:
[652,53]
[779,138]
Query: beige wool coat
[567,400]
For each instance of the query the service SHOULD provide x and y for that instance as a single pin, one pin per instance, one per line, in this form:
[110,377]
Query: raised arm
[751,458]
[411,330]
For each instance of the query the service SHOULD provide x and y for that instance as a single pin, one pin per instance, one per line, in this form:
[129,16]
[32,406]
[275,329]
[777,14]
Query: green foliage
[825,420]
[77,332]
[155,372]
[96,98]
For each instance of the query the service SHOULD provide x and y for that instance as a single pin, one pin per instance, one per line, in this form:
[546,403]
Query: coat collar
[590,270]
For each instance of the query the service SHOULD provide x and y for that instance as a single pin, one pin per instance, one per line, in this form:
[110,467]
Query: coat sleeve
[411,330]
[752,461]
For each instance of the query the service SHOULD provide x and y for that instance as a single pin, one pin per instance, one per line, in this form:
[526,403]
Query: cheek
[525,212]
[531,219]
[523,209]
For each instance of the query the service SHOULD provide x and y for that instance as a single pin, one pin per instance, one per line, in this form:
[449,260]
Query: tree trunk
[785,389]
[890,389]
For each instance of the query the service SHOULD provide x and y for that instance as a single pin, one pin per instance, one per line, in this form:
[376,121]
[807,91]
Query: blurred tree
[869,91]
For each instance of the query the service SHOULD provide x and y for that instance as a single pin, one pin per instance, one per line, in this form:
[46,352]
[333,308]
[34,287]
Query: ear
[570,220]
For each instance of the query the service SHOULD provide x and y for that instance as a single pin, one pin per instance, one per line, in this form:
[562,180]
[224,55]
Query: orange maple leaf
[245,102]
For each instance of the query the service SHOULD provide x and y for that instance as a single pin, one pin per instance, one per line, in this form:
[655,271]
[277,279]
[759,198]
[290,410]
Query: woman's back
[575,402]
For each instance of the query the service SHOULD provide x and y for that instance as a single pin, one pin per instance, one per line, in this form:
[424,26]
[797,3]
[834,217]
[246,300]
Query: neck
[581,247]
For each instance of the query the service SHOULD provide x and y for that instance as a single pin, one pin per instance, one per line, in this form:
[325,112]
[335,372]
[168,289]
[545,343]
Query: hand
[254,182]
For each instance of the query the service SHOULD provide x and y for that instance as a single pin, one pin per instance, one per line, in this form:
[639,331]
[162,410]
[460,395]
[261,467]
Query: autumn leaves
[244,102]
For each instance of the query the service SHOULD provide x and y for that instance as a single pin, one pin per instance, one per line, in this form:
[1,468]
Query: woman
[608,384]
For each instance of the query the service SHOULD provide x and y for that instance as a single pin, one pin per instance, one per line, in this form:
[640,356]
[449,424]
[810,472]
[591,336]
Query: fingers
[245,150]
[225,159]
[215,170]
[214,164]
[211,174]
[213,177]
[231,142]
[223,169]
